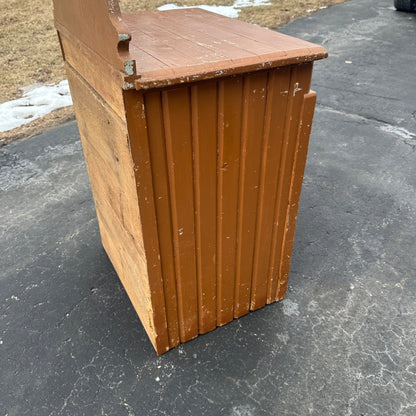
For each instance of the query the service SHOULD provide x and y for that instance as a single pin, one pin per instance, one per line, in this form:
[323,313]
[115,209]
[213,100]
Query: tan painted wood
[98,25]
[107,81]
[112,175]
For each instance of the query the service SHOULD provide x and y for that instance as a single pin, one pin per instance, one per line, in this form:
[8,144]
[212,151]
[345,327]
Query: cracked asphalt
[343,342]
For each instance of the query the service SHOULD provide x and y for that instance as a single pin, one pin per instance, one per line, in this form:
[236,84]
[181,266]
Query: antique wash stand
[195,131]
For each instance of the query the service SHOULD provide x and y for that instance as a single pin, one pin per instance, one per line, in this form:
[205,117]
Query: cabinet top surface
[176,46]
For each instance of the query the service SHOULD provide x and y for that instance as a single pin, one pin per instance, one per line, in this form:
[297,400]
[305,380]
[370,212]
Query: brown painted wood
[305,126]
[195,156]
[187,49]
[276,108]
[158,162]
[254,106]
[176,108]
[230,104]
[204,132]
[299,85]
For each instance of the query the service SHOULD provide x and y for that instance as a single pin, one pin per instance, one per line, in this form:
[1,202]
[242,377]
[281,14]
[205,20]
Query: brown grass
[29,49]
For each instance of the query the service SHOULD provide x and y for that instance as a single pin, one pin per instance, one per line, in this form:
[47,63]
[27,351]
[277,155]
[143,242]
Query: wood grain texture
[113,177]
[98,25]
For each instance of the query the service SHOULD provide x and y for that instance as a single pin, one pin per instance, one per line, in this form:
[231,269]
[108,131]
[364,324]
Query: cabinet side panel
[106,147]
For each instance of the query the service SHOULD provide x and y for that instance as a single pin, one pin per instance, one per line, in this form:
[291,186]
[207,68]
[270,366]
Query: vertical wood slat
[230,95]
[139,148]
[277,97]
[178,136]
[204,133]
[305,126]
[255,92]
[299,85]
[158,161]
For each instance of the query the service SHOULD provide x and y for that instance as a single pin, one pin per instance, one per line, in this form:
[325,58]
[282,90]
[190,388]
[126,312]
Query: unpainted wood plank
[230,102]
[140,154]
[115,195]
[131,266]
[98,25]
[276,107]
[178,134]
[100,75]
[255,92]
[104,137]
[204,135]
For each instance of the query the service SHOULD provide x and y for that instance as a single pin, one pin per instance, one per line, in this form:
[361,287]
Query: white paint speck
[180,231]
[296,88]
[290,308]
[352,286]
[348,62]
[13,297]
[37,101]
[157,379]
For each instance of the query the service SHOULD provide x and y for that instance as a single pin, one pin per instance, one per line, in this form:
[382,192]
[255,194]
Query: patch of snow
[37,101]
[310,10]
[228,11]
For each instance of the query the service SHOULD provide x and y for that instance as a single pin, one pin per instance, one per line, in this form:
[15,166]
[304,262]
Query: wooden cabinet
[195,131]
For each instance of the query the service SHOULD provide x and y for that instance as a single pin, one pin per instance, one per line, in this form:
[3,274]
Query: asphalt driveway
[343,342]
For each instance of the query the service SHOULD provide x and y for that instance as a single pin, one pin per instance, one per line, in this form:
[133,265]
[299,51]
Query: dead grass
[29,48]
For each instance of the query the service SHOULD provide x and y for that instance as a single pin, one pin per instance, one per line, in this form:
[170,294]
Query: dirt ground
[29,49]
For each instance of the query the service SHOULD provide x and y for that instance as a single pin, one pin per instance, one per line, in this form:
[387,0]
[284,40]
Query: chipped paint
[296,88]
